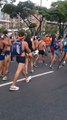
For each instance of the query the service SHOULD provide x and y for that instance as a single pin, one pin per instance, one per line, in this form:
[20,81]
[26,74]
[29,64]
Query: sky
[45,3]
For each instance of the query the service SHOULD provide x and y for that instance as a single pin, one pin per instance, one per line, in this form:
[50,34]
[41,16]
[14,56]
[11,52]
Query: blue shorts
[7,52]
[65,49]
[56,52]
[2,57]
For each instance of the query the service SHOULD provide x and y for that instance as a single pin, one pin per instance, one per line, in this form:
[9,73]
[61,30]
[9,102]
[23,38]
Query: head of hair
[59,37]
[28,38]
[21,33]
[5,32]
[53,37]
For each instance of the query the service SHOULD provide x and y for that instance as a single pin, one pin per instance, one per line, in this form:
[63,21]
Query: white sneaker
[4,78]
[63,63]
[45,64]
[51,67]
[27,73]
[13,87]
[32,70]
[60,66]
[28,79]
[35,65]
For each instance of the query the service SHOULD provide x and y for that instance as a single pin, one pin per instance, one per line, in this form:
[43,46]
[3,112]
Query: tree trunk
[39,29]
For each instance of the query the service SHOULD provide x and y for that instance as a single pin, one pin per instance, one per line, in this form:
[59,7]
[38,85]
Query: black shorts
[41,52]
[20,59]
[1,51]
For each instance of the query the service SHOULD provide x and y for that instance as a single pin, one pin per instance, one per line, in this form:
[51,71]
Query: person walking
[21,62]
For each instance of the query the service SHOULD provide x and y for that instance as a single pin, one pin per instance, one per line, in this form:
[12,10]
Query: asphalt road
[43,98]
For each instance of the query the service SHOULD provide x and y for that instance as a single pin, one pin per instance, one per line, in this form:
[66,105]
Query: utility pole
[40,2]
[40,17]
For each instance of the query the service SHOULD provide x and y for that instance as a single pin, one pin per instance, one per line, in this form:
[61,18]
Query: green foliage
[22,11]
[5,32]
[32,25]
[10,9]
[42,10]
[1,30]
[58,13]
[25,9]
[51,29]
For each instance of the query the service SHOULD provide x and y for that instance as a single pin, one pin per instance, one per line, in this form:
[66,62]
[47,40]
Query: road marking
[34,76]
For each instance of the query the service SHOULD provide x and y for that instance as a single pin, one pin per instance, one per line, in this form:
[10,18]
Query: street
[43,98]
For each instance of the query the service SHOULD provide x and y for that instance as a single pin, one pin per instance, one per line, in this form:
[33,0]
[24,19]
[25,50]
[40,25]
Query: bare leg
[24,73]
[26,65]
[19,69]
[54,57]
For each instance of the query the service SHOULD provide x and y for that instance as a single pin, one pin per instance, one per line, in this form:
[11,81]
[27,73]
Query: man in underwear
[21,63]
[42,48]
[2,56]
[36,51]
[7,53]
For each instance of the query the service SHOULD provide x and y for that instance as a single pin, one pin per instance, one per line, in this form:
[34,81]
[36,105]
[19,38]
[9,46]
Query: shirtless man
[21,63]
[42,48]
[7,53]
[2,56]
[36,51]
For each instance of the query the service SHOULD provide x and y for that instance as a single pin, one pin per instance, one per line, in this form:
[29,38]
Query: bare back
[25,48]
[1,44]
[42,45]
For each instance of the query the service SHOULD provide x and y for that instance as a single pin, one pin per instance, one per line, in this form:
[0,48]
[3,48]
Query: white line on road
[34,76]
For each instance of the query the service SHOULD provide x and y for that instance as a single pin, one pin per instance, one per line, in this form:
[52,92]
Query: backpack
[55,45]
[16,48]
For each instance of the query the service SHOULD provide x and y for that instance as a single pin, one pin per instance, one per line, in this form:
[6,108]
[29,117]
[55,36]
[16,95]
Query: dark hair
[28,40]
[5,32]
[21,33]
[60,36]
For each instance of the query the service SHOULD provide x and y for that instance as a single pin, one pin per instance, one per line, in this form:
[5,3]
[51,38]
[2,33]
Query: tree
[10,9]
[6,1]
[25,10]
[41,12]
[22,11]
[58,13]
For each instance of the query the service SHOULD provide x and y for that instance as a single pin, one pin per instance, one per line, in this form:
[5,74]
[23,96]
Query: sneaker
[35,65]
[32,70]
[26,73]
[63,63]
[13,87]
[28,79]
[51,67]
[45,64]
[4,78]
[60,66]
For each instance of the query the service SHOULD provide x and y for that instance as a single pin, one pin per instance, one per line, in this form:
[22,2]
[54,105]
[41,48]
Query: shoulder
[24,43]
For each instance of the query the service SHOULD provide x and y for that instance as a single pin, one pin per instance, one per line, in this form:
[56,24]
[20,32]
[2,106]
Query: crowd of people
[34,50]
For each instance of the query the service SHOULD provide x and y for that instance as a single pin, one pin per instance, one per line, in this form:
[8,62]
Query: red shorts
[52,49]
